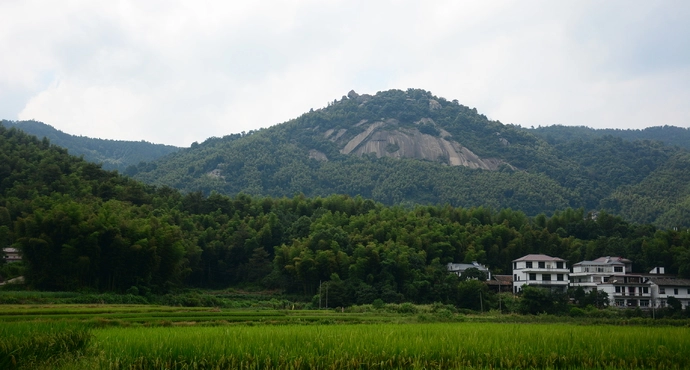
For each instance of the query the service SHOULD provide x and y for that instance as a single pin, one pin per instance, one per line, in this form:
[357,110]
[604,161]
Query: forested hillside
[112,154]
[669,135]
[410,147]
[80,227]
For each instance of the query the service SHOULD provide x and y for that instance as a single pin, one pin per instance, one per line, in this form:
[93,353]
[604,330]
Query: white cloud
[182,71]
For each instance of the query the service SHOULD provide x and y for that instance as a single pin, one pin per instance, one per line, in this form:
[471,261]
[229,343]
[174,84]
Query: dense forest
[669,135]
[533,174]
[111,154]
[82,228]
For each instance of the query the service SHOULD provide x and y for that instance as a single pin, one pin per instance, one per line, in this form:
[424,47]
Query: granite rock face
[388,138]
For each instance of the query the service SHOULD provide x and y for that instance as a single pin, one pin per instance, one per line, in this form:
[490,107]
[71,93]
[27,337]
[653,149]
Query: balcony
[543,270]
[629,294]
[547,282]
[547,268]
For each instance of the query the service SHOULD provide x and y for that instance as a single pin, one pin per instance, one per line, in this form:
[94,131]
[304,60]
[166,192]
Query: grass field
[160,337]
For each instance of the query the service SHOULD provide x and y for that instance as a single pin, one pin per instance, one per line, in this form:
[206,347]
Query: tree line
[82,228]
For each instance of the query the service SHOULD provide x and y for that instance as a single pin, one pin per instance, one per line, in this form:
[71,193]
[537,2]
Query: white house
[459,268]
[665,286]
[613,276]
[12,255]
[589,274]
[540,270]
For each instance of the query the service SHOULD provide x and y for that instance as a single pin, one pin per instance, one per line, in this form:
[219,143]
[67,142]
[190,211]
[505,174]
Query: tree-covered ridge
[80,227]
[112,154]
[536,176]
[670,135]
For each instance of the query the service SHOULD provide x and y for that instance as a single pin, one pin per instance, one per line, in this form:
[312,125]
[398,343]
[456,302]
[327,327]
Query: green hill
[82,228]
[411,147]
[111,154]
[669,135]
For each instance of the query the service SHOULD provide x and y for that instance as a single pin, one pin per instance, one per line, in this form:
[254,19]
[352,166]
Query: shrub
[407,308]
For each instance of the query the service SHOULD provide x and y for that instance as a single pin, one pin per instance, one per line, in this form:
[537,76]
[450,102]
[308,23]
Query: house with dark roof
[540,270]
[501,283]
[460,268]
[665,286]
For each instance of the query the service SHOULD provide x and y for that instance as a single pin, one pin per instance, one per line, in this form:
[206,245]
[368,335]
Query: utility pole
[500,307]
[481,304]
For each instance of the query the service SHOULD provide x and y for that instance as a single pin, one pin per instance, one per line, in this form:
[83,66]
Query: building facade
[540,270]
[664,287]
[12,255]
[613,276]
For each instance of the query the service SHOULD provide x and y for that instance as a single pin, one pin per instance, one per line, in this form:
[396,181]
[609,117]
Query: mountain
[82,228]
[112,154]
[669,135]
[411,147]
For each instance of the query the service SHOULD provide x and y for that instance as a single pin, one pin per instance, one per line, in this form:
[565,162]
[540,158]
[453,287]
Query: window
[600,269]
[533,276]
[662,290]
[542,265]
[645,289]
[675,291]
[644,303]
[618,289]
[619,302]
[688,290]
[559,265]
[546,277]
[559,277]
[606,279]
[514,265]
[618,269]
[515,277]
[528,264]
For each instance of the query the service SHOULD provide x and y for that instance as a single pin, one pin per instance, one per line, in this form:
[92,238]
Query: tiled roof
[538,257]
[612,259]
[597,262]
[500,280]
[668,281]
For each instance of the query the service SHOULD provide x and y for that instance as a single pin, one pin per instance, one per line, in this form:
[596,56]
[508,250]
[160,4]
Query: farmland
[161,337]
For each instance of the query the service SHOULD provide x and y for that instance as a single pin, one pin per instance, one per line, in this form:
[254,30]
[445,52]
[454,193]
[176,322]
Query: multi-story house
[589,274]
[12,255]
[540,270]
[665,286]
[629,291]
[613,276]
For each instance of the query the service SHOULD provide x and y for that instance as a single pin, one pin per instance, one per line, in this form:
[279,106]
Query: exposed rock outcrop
[409,142]
[216,174]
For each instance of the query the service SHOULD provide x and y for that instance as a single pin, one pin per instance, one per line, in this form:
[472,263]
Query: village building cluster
[612,275]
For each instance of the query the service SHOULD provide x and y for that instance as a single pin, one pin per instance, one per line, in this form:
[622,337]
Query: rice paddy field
[158,337]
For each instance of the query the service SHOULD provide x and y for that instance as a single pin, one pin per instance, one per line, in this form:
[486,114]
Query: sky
[175,72]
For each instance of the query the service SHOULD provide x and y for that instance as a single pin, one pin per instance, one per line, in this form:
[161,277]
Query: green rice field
[155,337]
